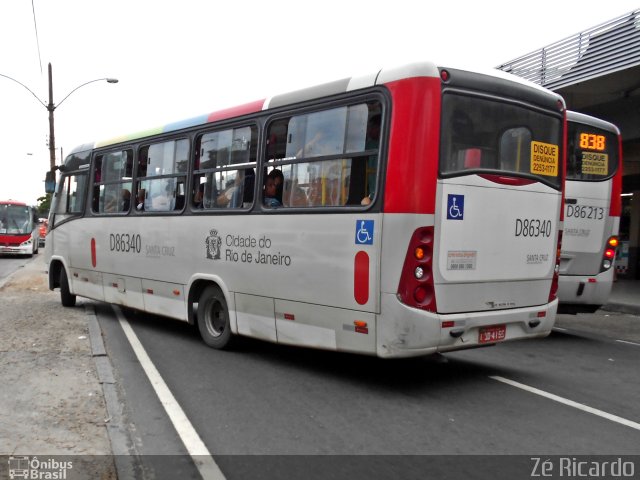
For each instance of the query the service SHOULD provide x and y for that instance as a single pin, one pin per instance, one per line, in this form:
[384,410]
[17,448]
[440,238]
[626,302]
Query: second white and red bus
[592,213]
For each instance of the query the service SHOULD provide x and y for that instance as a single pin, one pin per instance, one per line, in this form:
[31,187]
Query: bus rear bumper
[405,331]
[587,290]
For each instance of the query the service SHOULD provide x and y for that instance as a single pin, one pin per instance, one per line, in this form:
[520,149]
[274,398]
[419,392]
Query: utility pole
[52,139]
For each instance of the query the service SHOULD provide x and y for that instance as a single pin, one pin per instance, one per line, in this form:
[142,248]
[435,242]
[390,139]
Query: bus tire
[66,297]
[213,318]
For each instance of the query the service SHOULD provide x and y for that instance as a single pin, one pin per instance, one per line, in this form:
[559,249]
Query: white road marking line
[570,403]
[628,343]
[200,455]
[559,329]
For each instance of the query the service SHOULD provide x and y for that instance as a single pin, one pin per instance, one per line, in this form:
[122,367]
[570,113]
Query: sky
[177,60]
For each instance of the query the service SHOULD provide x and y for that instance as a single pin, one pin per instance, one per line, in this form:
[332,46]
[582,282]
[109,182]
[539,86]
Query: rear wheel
[213,318]
[66,297]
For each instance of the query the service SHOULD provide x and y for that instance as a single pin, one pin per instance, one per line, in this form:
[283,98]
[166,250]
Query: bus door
[498,205]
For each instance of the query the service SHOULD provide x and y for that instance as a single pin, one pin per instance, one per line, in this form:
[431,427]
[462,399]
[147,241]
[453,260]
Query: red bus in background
[18,228]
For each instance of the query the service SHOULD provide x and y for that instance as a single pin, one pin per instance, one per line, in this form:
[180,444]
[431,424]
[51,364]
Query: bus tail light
[416,281]
[553,293]
[609,253]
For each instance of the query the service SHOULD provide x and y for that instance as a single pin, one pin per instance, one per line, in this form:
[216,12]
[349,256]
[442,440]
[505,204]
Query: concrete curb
[122,445]
[622,308]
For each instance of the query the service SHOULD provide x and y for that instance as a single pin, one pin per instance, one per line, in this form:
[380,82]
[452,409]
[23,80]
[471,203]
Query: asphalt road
[270,411]
[11,263]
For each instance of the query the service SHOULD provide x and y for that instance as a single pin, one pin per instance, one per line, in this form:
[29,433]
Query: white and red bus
[415,210]
[18,228]
[592,213]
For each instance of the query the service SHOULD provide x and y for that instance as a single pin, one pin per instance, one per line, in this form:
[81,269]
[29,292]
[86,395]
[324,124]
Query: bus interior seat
[472,158]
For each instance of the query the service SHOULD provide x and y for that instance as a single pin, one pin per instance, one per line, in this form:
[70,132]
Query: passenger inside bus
[140,199]
[278,180]
[294,195]
[198,198]
[231,195]
[126,200]
[269,197]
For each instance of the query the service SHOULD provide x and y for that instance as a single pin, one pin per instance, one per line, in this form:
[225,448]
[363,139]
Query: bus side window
[224,173]
[70,197]
[111,191]
[161,176]
[329,158]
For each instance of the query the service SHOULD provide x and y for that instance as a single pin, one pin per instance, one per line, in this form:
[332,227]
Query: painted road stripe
[201,456]
[628,343]
[571,403]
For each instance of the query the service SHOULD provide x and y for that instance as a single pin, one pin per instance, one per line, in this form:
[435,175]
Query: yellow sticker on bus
[595,163]
[544,159]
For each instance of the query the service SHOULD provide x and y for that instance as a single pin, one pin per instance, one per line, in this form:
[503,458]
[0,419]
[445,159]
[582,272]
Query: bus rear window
[592,153]
[479,134]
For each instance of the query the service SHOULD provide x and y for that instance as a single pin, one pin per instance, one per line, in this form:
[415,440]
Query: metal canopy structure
[597,71]
[611,47]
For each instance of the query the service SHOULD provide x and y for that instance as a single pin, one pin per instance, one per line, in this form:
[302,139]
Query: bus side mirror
[50,182]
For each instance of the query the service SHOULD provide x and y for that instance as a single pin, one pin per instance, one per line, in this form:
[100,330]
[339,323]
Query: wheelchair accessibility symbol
[364,232]
[455,207]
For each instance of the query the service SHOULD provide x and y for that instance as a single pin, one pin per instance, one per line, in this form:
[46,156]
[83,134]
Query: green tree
[44,203]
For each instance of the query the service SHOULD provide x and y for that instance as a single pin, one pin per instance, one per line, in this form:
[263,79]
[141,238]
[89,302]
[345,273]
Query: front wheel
[66,297]
[213,318]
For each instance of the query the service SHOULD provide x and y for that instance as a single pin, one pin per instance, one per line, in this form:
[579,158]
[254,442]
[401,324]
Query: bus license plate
[492,334]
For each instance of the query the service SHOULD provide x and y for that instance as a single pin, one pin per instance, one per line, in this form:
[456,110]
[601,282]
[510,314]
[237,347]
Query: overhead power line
[35,26]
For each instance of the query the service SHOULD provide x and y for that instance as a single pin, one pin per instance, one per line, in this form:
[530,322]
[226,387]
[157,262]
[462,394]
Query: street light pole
[52,138]
[51,108]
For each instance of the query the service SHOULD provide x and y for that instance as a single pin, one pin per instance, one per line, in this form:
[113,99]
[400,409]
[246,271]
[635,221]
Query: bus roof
[12,202]
[379,77]
[593,121]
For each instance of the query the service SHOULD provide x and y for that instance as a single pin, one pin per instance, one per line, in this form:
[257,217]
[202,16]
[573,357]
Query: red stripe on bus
[245,109]
[507,180]
[93,253]
[615,207]
[361,278]
[413,148]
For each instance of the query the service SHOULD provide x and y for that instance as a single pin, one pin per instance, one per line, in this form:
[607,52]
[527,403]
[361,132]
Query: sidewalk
[625,297]
[52,401]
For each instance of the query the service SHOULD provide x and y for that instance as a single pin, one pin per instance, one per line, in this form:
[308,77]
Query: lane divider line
[200,455]
[628,342]
[570,403]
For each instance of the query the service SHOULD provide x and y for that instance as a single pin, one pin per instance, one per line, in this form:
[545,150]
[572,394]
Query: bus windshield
[593,153]
[484,134]
[15,220]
